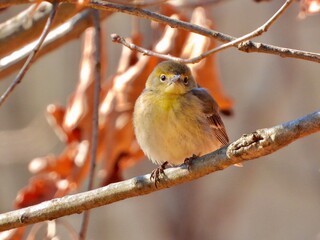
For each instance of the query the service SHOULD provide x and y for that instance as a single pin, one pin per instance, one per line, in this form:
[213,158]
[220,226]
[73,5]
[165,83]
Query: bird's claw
[156,173]
[188,161]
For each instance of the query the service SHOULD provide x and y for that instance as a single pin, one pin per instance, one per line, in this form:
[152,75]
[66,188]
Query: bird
[175,120]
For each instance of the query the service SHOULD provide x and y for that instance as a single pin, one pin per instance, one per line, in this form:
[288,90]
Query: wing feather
[210,109]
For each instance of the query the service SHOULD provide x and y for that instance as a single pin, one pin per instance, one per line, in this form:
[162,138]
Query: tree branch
[247,46]
[248,147]
[139,4]
[32,55]
[175,23]
[72,29]
[27,26]
[95,116]
[242,42]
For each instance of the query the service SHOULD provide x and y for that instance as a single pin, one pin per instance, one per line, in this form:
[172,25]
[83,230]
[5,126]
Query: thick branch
[32,56]
[248,147]
[9,3]
[70,30]
[27,26]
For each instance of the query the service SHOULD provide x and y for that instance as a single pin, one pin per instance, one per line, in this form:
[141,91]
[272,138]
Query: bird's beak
[175,85]
[175,78]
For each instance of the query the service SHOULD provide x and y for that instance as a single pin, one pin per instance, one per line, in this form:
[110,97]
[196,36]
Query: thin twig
[250,146]
[95,117]
[118,39]
[31,57]
[138,4]
[264,28]
[246,46]
[196,4]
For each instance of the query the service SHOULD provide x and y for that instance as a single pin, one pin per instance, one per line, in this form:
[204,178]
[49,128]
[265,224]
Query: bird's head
[171,78]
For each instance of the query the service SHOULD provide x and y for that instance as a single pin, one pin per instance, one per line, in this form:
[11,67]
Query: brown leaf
[40,188]
[55,117]
[309,7]
[206,71]
[80,107]
[171,39]
[55,176]
[13,234]
[62,165]
[129,57]
[116,116]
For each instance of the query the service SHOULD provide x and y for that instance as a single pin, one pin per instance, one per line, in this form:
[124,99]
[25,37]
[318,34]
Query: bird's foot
[188,161]
[156,173]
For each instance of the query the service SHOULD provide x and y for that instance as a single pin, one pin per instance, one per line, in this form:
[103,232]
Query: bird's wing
[210,109]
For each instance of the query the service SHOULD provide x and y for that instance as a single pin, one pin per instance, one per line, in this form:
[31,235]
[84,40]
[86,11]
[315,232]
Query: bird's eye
[185,80]
[163,77]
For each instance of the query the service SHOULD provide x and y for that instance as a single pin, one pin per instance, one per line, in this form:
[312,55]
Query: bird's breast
[172,128]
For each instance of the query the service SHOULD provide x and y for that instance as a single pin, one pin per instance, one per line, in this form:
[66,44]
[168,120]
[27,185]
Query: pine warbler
[175,119]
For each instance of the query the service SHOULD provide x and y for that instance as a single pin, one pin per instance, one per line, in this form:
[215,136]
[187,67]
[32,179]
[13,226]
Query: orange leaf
[62,165]
[40,188]
[13,234]
[80,107]
[55,117]
[206,72]
[309,7]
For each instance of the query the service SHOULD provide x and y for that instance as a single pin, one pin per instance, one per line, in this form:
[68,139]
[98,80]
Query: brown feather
[210,109]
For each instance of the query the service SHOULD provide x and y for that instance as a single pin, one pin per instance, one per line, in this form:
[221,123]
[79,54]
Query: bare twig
[30,59]
[157,17]
[196,4]
[248,147]
[118,39]
[95,122]
[247,46]
[138,4]
[264,28]
[244,45]
[8,3]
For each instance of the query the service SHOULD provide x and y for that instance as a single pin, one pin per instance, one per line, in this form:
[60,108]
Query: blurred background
[274,197]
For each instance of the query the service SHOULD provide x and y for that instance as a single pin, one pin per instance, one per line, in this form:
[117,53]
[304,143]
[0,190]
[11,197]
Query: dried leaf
[55,117]
[116,115]
[309,7]
[206,71]
[13,234]
[40,188]
[80,107]
[129,57]
[62,165]
[55,176]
